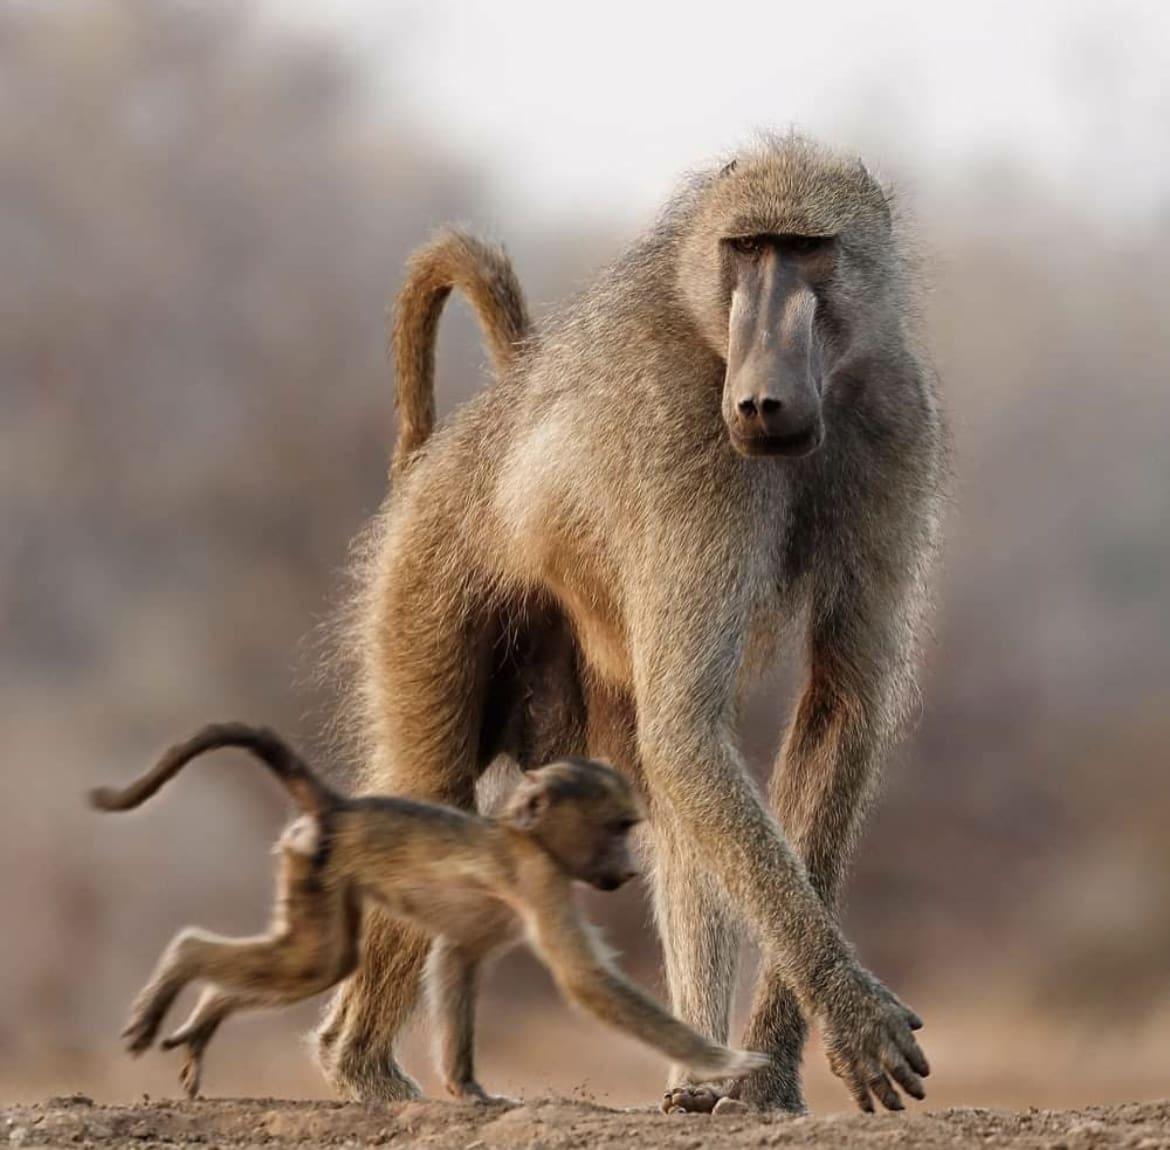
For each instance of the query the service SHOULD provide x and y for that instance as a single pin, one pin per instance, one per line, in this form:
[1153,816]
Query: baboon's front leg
[686,698]
[452,977]
[585,975]
[700,945]
[820,790]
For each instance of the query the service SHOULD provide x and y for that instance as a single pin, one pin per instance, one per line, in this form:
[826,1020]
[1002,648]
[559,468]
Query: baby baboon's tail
[309,793]
[483,272]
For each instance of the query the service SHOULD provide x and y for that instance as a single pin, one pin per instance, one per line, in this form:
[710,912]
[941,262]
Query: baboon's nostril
[747,407]
[769,405]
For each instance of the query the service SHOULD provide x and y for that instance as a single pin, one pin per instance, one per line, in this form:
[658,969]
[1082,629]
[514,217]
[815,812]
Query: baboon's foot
[766,1089]
[473,1092]
[776,1087]
[140,1031]
[369,1078]
[358,1071]
[191,1072]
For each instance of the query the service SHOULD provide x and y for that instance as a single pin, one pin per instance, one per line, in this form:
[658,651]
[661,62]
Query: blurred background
[204,209]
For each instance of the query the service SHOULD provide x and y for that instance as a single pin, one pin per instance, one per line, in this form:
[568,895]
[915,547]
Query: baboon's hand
[869,1041]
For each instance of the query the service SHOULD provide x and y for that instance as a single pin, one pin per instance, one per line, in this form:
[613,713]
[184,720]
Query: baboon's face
[582,813]
[785,265]
[772,390]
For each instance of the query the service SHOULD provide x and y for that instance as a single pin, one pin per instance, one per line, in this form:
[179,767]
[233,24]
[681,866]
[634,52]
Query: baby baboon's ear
[529,804]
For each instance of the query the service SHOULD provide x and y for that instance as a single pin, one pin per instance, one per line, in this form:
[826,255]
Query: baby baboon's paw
[742,1062]
[191,1074]
[140,1031]
[870,1042]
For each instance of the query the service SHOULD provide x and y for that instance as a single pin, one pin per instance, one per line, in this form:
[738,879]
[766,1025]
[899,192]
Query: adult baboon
[729,431]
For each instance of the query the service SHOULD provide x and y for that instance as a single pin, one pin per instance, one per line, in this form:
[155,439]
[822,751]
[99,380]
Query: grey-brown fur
[728,438]
[476,885]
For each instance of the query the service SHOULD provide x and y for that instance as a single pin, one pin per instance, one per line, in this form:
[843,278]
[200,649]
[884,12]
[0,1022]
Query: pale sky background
[596,107]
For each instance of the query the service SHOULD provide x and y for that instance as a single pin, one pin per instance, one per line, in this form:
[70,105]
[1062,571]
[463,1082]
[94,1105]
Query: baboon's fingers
[912,1052]
[904,1077]
[882,1089]
[858,1090]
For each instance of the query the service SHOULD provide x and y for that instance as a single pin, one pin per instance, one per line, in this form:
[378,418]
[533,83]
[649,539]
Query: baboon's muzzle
[771,394]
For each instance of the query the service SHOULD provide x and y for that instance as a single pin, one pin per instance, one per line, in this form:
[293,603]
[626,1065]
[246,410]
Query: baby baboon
[729,433]
[477,885]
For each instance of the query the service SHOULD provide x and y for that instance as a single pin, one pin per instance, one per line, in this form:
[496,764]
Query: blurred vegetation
[201,220]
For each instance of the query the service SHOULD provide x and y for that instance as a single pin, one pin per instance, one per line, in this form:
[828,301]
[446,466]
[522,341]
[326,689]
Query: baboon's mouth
[794,445]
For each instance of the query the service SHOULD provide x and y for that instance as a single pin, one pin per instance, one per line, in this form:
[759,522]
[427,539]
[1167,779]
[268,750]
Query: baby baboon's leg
[213,1007]
[175,968]
[245,965]
[820,791]
[426,680]
[452,982]
[272,969]
[312,945]
[586,977]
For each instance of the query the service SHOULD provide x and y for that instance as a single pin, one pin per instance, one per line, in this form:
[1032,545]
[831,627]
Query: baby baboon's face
[582,813]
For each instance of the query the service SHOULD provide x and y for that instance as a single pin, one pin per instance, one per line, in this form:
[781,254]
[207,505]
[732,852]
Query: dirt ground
[75,1120]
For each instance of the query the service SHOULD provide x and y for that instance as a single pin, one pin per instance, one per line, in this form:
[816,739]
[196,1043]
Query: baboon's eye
[747,245]
[804,245]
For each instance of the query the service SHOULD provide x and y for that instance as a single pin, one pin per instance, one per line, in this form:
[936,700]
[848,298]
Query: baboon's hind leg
[428,678]
[355,1041]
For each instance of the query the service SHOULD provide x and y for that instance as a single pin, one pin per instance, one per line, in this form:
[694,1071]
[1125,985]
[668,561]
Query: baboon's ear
[727,168]
[885,193]
[529,805]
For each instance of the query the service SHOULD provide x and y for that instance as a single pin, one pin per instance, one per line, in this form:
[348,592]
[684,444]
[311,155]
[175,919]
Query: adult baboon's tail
[483,272]
[309,793]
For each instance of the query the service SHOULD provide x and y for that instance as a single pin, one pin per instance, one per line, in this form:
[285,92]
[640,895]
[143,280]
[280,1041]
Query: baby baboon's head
[582,813]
